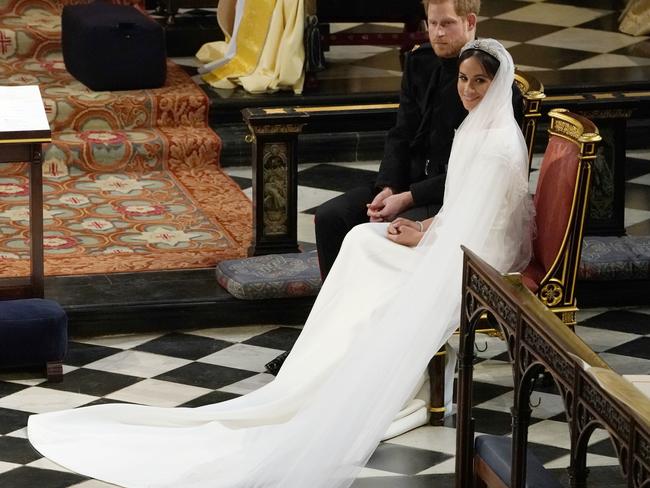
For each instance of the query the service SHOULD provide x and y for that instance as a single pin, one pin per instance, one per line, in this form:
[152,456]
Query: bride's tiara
[481,45]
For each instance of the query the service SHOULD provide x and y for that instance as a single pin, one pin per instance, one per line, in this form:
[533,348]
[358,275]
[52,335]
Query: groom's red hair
[461,7]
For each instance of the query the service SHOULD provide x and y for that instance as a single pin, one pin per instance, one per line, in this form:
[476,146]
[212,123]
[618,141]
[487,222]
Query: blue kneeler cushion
[33,332]
[496,452]
[271,276]
[615,258]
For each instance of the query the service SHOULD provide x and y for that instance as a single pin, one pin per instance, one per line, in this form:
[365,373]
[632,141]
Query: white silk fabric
[383,311]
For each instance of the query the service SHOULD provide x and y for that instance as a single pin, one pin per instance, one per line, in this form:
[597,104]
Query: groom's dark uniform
[418,146]
[415,154]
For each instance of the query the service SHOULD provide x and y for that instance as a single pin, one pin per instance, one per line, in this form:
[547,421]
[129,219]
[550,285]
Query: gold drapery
[269,52]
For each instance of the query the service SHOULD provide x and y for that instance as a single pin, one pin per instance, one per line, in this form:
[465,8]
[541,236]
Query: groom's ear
[472,20]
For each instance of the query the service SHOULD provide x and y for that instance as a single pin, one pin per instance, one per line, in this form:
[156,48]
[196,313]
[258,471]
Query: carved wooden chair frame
[532,91]
[557,288]
[537,341]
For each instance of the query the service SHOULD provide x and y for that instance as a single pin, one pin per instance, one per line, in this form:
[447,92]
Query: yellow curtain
[269,49]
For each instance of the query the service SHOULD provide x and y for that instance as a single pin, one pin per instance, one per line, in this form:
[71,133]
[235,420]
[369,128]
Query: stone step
[142,150]
[112,151]
[71,105]
[21,7]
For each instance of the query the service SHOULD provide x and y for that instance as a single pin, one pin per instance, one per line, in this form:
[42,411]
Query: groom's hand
[392,206]
[377,205]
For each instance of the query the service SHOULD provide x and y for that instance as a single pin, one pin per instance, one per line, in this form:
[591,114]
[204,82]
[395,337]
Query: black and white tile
[199,367]
[318,183]
[210,365]
[540,34]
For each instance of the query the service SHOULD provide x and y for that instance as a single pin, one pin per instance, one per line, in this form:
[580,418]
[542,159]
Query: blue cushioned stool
[610,258]
[494,453]
[33,332]
[272,276]
[113,47]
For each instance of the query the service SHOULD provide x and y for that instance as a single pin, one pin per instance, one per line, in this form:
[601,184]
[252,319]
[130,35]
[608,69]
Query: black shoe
[273,366]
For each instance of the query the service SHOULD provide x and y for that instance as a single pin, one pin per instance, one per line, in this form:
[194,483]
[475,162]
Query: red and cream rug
[131,179]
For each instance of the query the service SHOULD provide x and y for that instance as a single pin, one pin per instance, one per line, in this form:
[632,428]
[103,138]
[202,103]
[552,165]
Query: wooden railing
[537,341]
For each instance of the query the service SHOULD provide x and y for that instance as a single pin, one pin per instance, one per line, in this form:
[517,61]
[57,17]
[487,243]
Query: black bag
[113,47]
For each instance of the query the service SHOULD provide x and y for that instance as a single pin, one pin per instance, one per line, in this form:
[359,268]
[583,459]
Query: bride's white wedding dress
[383,311]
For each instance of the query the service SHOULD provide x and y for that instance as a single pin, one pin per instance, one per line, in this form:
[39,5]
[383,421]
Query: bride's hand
[395,226]
[405,232]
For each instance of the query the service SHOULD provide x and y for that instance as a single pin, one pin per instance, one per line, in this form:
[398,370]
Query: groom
[411,177]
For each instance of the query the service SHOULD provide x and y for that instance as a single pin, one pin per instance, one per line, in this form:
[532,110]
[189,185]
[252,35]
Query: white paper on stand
[22,109]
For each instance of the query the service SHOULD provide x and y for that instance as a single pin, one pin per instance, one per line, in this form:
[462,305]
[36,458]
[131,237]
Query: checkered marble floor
[541,35]
[192,368]
[198,367]
[318,183]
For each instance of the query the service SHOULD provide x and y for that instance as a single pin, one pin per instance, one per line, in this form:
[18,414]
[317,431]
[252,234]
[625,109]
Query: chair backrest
[554,198]
[532,91]
[561,205]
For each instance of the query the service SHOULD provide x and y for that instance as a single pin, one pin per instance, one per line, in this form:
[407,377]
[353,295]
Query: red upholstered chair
[561,205]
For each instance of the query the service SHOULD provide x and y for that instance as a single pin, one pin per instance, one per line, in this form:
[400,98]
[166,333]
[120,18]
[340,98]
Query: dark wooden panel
[376,11]
[15,153]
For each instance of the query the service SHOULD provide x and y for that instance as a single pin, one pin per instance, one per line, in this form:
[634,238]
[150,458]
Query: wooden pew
[594,395]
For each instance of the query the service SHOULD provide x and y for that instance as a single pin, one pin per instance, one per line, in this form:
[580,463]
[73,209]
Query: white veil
[490,134]
[318,429]
[487,208]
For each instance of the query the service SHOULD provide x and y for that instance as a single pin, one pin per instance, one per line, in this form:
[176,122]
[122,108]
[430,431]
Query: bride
[386,307]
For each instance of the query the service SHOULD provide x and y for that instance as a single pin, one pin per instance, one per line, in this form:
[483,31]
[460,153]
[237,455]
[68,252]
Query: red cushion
[532,276]
[553,200]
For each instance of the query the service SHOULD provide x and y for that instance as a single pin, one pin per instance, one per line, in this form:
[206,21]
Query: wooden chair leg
[484,476]
[437,385]
[478,481]
[54,371]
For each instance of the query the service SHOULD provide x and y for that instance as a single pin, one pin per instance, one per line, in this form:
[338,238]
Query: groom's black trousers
[336,217]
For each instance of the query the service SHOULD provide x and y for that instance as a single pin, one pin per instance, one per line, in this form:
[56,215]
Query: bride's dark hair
[489,62]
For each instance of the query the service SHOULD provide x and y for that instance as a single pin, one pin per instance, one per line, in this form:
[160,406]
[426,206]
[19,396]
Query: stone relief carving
[274,188]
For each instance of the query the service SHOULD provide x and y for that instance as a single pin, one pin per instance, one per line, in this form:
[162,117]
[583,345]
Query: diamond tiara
[481,45]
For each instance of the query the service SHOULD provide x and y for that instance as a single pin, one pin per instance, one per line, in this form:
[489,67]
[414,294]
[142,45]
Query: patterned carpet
[132,179]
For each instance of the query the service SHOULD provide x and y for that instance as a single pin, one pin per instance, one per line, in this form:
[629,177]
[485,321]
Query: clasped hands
[405,232]
[386,206]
